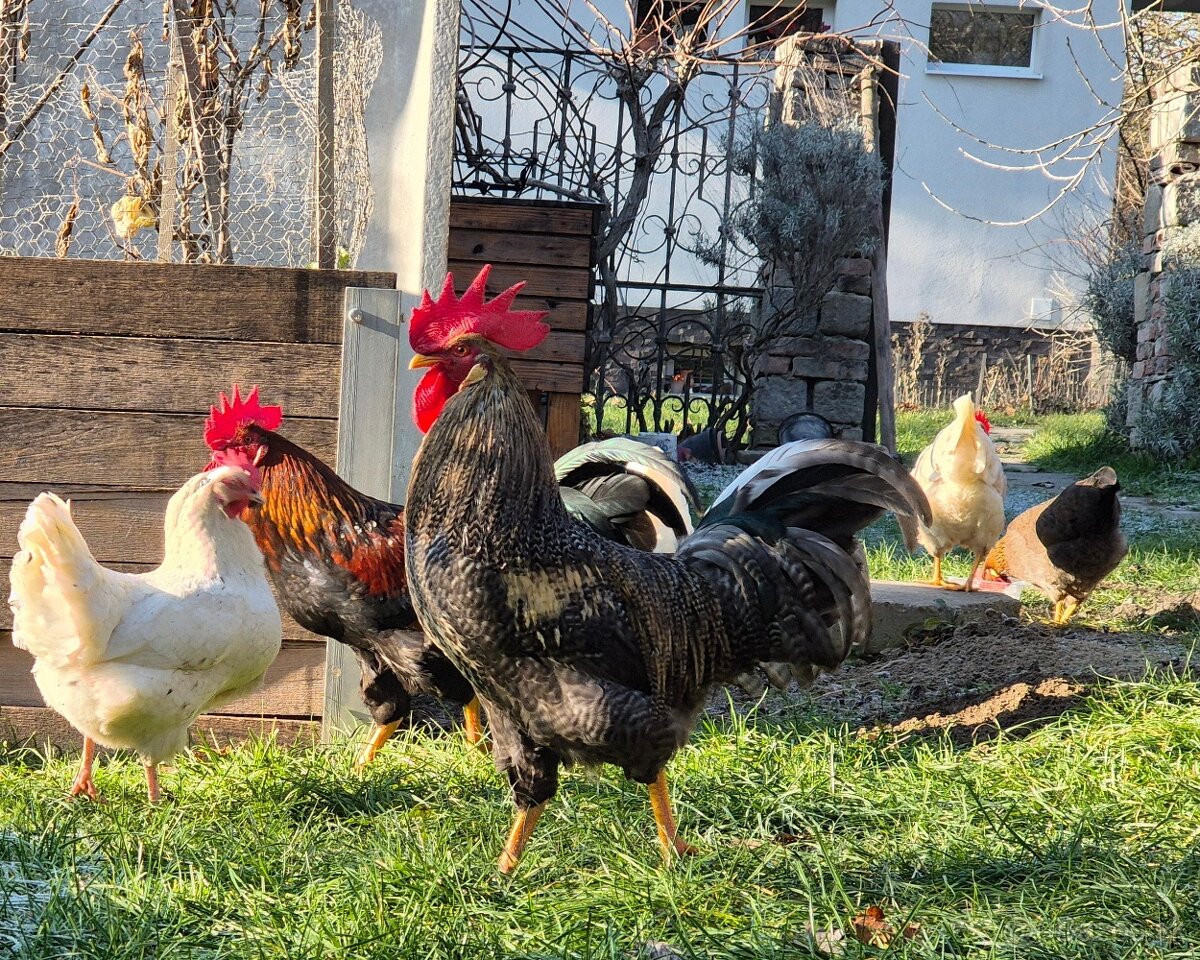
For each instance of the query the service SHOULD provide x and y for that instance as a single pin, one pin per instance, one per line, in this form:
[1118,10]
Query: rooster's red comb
[436,322]
[983,421]
[226,420]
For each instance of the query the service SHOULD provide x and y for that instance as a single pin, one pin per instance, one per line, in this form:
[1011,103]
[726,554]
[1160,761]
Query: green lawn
[1078,840]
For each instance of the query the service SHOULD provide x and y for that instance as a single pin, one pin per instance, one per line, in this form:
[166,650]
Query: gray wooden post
[377,441]
[410,133]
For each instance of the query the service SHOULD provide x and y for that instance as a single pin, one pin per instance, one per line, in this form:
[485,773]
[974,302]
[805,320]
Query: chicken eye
[460,350]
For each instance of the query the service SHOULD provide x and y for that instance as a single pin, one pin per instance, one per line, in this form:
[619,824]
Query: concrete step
[902,607]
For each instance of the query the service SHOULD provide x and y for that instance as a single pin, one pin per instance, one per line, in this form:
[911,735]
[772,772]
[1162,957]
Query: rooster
[585,650]
[130,660]
[337,556]
[961,475]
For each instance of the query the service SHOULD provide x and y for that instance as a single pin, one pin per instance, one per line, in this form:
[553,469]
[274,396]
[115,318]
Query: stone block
[839,401]
[1135,398]
[765,434]
[1141,299]
[859,285]
[1139,370]
[1181,202]
[1162,366]
[833,348]
[816,368]
[854,267]
[1144,350]
[846,314]
[1152,212]
[772,366]
[899,608]
[850,433]
[1162,347]
[777,398]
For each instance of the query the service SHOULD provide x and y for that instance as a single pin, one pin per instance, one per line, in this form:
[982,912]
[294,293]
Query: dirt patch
[978,678]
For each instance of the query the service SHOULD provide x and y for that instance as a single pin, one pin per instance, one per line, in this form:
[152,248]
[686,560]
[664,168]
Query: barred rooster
[336,556]
[584,650]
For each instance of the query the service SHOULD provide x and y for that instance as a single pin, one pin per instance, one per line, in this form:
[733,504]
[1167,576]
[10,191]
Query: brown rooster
[1065,546]
[587,651]
[336,556]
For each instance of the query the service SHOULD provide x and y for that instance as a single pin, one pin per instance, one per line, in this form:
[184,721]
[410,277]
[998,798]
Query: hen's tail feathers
[831,487]
[628,491]
[996,562]
[63,602]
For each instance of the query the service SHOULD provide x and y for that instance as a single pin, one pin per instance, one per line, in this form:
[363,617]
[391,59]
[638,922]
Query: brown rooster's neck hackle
[310,509]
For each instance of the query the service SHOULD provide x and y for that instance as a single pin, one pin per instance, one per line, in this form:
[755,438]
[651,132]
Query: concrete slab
[900,607]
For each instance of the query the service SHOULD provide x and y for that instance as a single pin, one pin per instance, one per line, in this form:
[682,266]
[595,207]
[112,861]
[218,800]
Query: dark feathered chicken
[336,556]
[1065,546]
[587,651]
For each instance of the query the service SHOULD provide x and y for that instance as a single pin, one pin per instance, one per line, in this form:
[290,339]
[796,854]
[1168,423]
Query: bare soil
[976,679]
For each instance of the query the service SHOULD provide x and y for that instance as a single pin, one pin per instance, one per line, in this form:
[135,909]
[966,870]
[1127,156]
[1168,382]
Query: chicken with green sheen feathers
[585,650]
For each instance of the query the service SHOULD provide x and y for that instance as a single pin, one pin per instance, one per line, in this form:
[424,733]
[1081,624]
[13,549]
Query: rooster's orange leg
[937,580]
[970,584]
[1064,609]
[379,736]
[473,723]
[83,782]
[152,782]
[518,836]
[668,834]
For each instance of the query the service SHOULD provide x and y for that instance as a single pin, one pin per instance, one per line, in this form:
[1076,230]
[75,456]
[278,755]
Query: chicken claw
[152,790]
[379,736]
[84,784]
[668,834]
[473,724]
[518,836]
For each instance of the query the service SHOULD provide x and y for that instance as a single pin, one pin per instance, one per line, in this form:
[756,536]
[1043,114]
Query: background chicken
[963,479]
[130,660]
[337,556]
[584,650]
[1065,546]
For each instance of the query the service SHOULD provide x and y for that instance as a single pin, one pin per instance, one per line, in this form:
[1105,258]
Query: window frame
[1031,72]
[824,7]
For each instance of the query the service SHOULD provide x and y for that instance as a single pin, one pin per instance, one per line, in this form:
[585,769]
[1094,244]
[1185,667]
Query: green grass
[916,428]
[1079,840]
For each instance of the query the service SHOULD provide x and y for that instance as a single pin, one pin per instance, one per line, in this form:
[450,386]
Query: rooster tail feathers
[967,427]
[629,484]
[61,604]
[832,487]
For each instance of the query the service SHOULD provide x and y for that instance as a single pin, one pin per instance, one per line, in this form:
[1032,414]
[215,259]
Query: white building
[1013,75]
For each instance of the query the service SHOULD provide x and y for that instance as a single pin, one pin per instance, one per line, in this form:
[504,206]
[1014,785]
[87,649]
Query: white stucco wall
[948,263]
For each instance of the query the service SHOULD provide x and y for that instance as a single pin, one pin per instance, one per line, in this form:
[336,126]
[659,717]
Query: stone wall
[824,368]
[952,357]
[1172,201]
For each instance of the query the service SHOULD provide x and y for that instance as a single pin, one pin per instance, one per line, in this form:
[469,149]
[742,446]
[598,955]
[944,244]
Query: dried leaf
[102,154]
[130,215]
[62,243]
[85,101]
[25,40]
[871,928]
[828,941]
[136,61]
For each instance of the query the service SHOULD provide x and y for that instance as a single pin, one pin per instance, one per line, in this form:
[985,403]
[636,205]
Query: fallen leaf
[657,950]
[828,941]
[872,928]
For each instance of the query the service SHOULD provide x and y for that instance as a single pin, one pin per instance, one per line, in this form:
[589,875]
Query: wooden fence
[548,245]
[111,368]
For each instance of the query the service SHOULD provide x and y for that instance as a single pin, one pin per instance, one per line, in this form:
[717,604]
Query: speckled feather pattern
[584,650]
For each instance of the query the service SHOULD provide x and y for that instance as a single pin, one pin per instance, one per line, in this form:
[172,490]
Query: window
[981,37]
[770,22]
[676,16]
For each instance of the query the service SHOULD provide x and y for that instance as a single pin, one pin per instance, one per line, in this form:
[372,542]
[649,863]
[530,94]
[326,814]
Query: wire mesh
[102,116]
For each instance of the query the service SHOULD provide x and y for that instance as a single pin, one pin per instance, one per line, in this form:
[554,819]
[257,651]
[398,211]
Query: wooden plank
[569,283]
[562,422]
[121,451]
[560,346]
[177,299]
[504,246]
[291,629]
[165,376]
[539,218]
[552,377]
[293,686]
[41,724]
[564,314]
[118,525]
[377,443]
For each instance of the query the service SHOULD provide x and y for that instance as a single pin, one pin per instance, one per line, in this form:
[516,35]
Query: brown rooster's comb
[225,421]
[436,322]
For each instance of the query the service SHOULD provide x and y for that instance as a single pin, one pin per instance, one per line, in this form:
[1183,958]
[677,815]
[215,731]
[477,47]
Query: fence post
[324,168]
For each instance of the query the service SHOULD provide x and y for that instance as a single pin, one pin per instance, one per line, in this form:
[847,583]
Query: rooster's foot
[379,736]
[83,781]
[664,817]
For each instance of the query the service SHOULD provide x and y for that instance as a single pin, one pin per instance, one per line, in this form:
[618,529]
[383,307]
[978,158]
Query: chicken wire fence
[184,130]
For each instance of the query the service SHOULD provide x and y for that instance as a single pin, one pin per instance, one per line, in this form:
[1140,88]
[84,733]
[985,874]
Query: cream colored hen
[130,660]
[961,475]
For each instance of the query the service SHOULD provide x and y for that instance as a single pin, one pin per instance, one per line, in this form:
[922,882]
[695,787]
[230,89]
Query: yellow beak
[420,360]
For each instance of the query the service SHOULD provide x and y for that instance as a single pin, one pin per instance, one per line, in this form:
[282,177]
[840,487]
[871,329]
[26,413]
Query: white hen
[130,660]
[963,479]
